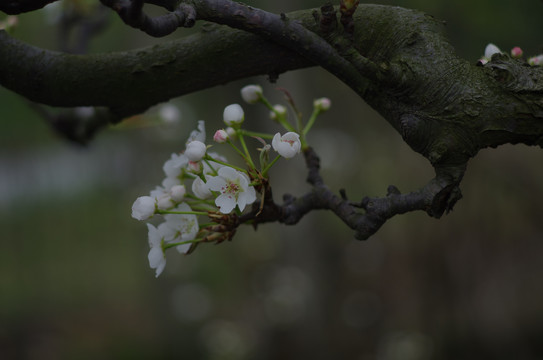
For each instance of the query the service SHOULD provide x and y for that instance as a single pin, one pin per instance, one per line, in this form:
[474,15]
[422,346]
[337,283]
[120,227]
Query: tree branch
[397,60]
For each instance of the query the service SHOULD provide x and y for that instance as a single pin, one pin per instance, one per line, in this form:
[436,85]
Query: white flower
[287,145]
[195,150]
[164,202]
[278,110]
[536,60]
[168,182]
[199,134]
[251,93]
[157,258]
[177,192]
[322,104]
[172,167]
[181,227]
[234,189]
[220,136]
[200,189]
[490,50]
[143,208]
[163,199]
[233,115]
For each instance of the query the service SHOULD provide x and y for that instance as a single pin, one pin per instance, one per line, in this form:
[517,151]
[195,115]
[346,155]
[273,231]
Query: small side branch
[367,216]
[131,12]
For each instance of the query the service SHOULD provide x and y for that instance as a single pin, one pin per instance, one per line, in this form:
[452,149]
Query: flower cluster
[218,189]
[516,53]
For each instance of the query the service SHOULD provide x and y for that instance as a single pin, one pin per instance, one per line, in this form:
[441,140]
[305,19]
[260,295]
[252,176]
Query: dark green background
[74,277]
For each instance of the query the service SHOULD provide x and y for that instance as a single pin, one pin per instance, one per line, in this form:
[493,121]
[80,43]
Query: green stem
[256,134]
[244,146]
[225,163]
[265,171]
[163,212]
[166,246]
[310,122]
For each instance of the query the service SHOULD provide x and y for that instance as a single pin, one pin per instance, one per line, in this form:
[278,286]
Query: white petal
[251,93]
[490,50]
[195,150]
[225,203]
[216,183]
[157,260]
[143,208]
[201,189]
[233,114]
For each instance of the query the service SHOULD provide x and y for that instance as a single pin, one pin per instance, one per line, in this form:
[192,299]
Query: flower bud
[195,150]
[322,104]
[143,208]
[177,192]
[251,93]
[233,115]
[220,136]
[536,60]
[231,133]
[287,145]
[278,111]
[164,202]
[516,52]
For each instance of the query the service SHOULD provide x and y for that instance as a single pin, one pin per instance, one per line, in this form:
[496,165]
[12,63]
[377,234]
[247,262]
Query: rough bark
[397,60]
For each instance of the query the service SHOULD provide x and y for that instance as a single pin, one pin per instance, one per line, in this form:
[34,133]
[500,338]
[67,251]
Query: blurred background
[74,275]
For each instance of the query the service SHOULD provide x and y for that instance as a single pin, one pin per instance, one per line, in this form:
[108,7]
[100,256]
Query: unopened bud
[278,111]
[251,93]
[516,52]
[233,115]
[220,136]
[322,104]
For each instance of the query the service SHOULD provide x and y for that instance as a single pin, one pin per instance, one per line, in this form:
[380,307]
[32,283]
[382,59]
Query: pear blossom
[200,189]
[278,110]
[490,50]
[195,150]
[143,208]
[199,134]
[172,167]
[287,145]
[162,198]
[220,136]
[234,189]
[177,192]
[233,115]
[157,258]
[164,202]
[168,182]
[251,93]
[181,227]
[536,60]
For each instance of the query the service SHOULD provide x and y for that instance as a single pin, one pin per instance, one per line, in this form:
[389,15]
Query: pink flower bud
[516,52]
[220,136]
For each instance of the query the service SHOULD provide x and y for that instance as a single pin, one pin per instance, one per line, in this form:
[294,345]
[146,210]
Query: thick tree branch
[397,60]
